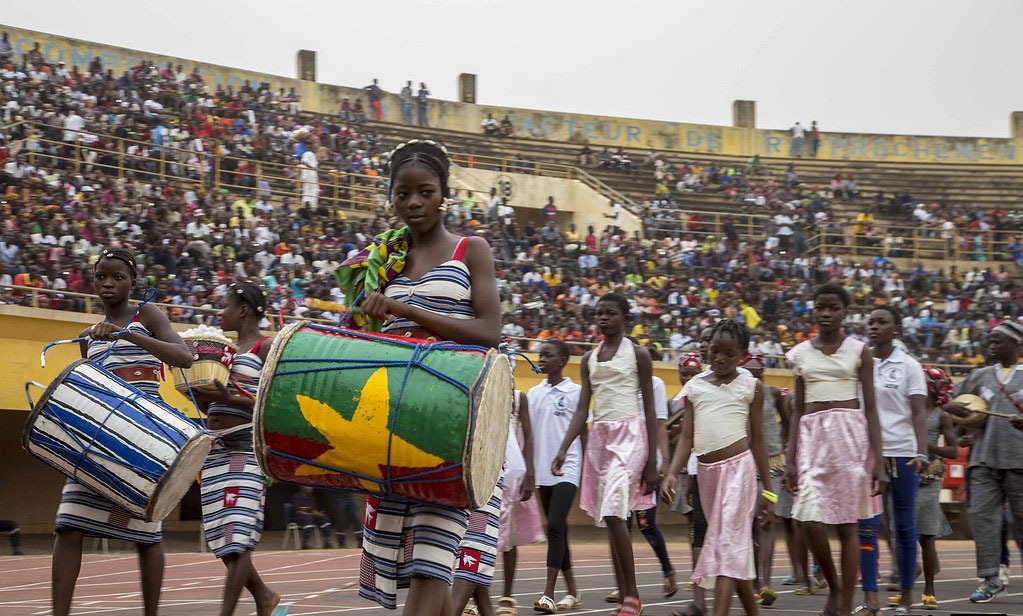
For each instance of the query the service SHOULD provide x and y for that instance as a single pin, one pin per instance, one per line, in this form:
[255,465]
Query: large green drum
[394,417]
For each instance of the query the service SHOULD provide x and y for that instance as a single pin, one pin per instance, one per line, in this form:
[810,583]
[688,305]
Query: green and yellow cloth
[371,270]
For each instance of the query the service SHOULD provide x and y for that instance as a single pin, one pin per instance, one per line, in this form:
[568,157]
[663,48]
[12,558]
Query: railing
[896,241]
[29,296]
[557,170]
[170,162]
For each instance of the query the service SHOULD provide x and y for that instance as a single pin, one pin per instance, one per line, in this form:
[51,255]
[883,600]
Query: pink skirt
[832,461]
[728,493]
[521,523]
[612,481]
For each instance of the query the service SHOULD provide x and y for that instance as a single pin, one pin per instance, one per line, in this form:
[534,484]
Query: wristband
[924,457]
[769,496]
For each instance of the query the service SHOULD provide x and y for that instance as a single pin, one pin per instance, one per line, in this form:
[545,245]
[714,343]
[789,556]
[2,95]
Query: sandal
[545,605]
[767,596]
[930,602]
[670,586]
[902,610]
[804,591]
[631,606]
[613,597]
[470,610]
[569,603]
[506,606]
[691,610]
[865,610]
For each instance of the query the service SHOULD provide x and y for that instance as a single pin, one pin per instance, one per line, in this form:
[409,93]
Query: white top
[828,378]
[615,383]
[660,406]
[896,379]
[550,411]
[720,412]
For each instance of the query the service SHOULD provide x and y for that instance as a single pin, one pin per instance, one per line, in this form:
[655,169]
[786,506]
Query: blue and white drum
[136,450]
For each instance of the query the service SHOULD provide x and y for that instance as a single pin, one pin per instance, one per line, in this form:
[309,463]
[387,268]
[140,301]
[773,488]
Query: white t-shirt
[896,379]
[660,405]
[550,412]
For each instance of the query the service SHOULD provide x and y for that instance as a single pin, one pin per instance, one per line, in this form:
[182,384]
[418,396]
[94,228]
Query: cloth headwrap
[690,359]
[751,361]
[939,385]
[371,270]
[1010,329]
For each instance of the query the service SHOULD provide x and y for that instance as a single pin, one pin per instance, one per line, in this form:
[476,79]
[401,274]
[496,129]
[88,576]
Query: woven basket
[212,357]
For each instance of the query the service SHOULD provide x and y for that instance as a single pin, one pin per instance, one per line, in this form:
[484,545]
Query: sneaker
[1003,574]
[988,590]
[789,580]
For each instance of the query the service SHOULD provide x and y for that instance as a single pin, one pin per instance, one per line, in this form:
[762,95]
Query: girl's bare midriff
[813,407]
[728,451]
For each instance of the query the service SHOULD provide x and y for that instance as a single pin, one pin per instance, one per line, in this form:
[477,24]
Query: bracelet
[769,496]
[924,457]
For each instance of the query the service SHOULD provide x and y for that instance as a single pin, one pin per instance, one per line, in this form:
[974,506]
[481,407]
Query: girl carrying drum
[425,282]
[134,357]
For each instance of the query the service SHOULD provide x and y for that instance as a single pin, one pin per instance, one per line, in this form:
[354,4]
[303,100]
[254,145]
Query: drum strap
[1001,385]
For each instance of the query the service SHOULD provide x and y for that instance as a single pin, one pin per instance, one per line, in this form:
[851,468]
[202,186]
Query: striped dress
[233,489]
[82,509]
[401,539]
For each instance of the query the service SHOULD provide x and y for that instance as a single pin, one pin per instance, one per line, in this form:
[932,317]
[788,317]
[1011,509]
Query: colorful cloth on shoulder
[371,270]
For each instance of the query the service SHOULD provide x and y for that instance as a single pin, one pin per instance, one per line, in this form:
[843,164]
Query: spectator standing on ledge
[374,93]
[424,100]
[796,146]
[406,104]
[815,139]
[550,211]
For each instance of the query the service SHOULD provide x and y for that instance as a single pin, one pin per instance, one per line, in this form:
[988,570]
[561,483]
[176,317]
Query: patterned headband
[690,360]
[430,142]
[123,258]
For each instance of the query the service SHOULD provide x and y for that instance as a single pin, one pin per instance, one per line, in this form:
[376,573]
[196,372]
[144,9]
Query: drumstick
[42,356]
[986,412]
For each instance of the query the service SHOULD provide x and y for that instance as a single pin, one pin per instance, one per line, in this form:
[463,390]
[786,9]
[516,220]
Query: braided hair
[892,310]
[833,289]
[124,256]
[250,293]
[560,347]
[617,300]
[427,154]
[738,331]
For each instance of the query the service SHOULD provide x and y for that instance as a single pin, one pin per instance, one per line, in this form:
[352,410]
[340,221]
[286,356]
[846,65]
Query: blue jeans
[406,113]
[903,484]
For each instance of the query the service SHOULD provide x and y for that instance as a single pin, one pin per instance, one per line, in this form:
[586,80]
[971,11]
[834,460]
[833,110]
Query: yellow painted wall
[564,127]
[576,202]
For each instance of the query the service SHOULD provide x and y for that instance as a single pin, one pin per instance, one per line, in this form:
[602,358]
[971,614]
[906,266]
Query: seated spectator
[490,126]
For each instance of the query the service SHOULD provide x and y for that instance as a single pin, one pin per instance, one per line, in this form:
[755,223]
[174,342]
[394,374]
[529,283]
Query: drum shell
[135,450]
[976,419]
[443,444]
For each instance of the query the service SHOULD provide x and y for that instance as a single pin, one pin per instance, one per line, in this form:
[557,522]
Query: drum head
[179,478]
[975,419]
[486,448]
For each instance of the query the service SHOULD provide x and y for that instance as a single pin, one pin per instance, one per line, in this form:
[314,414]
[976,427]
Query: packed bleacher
[209,185]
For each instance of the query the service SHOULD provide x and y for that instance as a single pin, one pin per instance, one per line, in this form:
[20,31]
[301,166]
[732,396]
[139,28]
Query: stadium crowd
[193,239]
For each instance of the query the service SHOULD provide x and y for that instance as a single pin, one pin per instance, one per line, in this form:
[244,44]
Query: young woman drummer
[136,358]
[434,285]
[233,488]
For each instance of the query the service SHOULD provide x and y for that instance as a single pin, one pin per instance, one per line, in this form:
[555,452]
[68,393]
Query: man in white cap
[995,469]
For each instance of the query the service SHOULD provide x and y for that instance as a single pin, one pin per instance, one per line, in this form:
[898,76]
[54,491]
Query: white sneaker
[1003,574]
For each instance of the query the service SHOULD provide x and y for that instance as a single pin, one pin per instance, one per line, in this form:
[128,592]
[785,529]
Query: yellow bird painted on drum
[359,445]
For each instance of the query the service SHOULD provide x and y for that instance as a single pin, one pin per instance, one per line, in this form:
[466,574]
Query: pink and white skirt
[834,462]
[728,493]
[612,481]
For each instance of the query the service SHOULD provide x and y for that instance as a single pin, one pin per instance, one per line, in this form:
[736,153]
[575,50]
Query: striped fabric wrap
[83,510]
[477,553]
[401,540]
[233,494]
[372,269]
